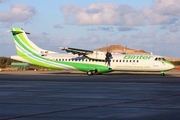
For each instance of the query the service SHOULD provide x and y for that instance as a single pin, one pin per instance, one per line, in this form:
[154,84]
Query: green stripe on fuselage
[79,66]
[86,67]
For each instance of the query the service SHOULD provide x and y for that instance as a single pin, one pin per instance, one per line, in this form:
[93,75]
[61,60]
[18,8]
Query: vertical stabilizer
[24,45]
[29,52]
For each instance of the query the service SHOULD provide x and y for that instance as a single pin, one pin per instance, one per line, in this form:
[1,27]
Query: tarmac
[72,95]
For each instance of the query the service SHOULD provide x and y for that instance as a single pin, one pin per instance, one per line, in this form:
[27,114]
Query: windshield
[160,58]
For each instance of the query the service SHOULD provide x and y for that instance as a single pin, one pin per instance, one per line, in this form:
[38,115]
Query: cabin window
[126,60]
[159,59]
[116,60]
[129,60]
[133,60]
[119,60]
[62,59]
[113,60]
[65,59]
[123,60]
[137,60]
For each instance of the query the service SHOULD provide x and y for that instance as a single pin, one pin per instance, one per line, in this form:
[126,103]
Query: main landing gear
[92,72]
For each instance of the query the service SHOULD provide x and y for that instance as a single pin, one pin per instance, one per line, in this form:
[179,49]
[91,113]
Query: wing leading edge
[76,51]
[92,55]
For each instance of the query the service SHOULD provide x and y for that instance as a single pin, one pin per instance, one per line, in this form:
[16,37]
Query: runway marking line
[88,107]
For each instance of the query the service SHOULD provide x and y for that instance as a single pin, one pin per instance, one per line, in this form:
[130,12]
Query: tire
[89,73]
[162,74]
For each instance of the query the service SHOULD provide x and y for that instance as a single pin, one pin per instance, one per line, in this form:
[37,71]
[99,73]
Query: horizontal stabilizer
[16,32]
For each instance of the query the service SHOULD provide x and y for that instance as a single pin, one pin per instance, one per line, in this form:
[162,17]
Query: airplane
[91,62]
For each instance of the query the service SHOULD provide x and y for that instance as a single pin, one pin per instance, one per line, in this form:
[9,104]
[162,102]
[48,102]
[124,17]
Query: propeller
[124,50]
[108,56]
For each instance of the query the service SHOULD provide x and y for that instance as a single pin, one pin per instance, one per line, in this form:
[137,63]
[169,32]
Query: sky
[150,25]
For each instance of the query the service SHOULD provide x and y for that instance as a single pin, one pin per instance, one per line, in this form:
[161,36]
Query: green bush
[5,62]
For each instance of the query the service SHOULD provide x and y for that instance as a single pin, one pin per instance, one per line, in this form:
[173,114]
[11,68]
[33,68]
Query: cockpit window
[163,59]
[158,59]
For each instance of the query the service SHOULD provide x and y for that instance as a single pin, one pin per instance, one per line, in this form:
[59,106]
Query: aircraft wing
[76,51]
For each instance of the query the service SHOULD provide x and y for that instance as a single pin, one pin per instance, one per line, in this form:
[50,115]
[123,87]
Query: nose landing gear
[162,73]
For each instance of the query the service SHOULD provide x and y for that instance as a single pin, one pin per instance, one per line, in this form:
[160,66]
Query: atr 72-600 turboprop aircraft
[92,62]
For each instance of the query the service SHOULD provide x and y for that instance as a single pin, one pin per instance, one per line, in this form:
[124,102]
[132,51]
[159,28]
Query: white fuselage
[119,62]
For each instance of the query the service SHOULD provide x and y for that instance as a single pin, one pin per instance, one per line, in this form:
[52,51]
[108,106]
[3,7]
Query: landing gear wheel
[89,72]
[92,72]
[162,74]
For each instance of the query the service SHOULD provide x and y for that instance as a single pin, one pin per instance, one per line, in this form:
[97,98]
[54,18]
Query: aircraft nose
[171,66]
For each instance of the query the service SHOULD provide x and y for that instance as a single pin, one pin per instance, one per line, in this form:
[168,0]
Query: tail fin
[24,45]
[28,52]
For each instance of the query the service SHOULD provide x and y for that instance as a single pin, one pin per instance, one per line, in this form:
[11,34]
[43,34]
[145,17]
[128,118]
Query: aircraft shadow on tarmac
[79,73]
